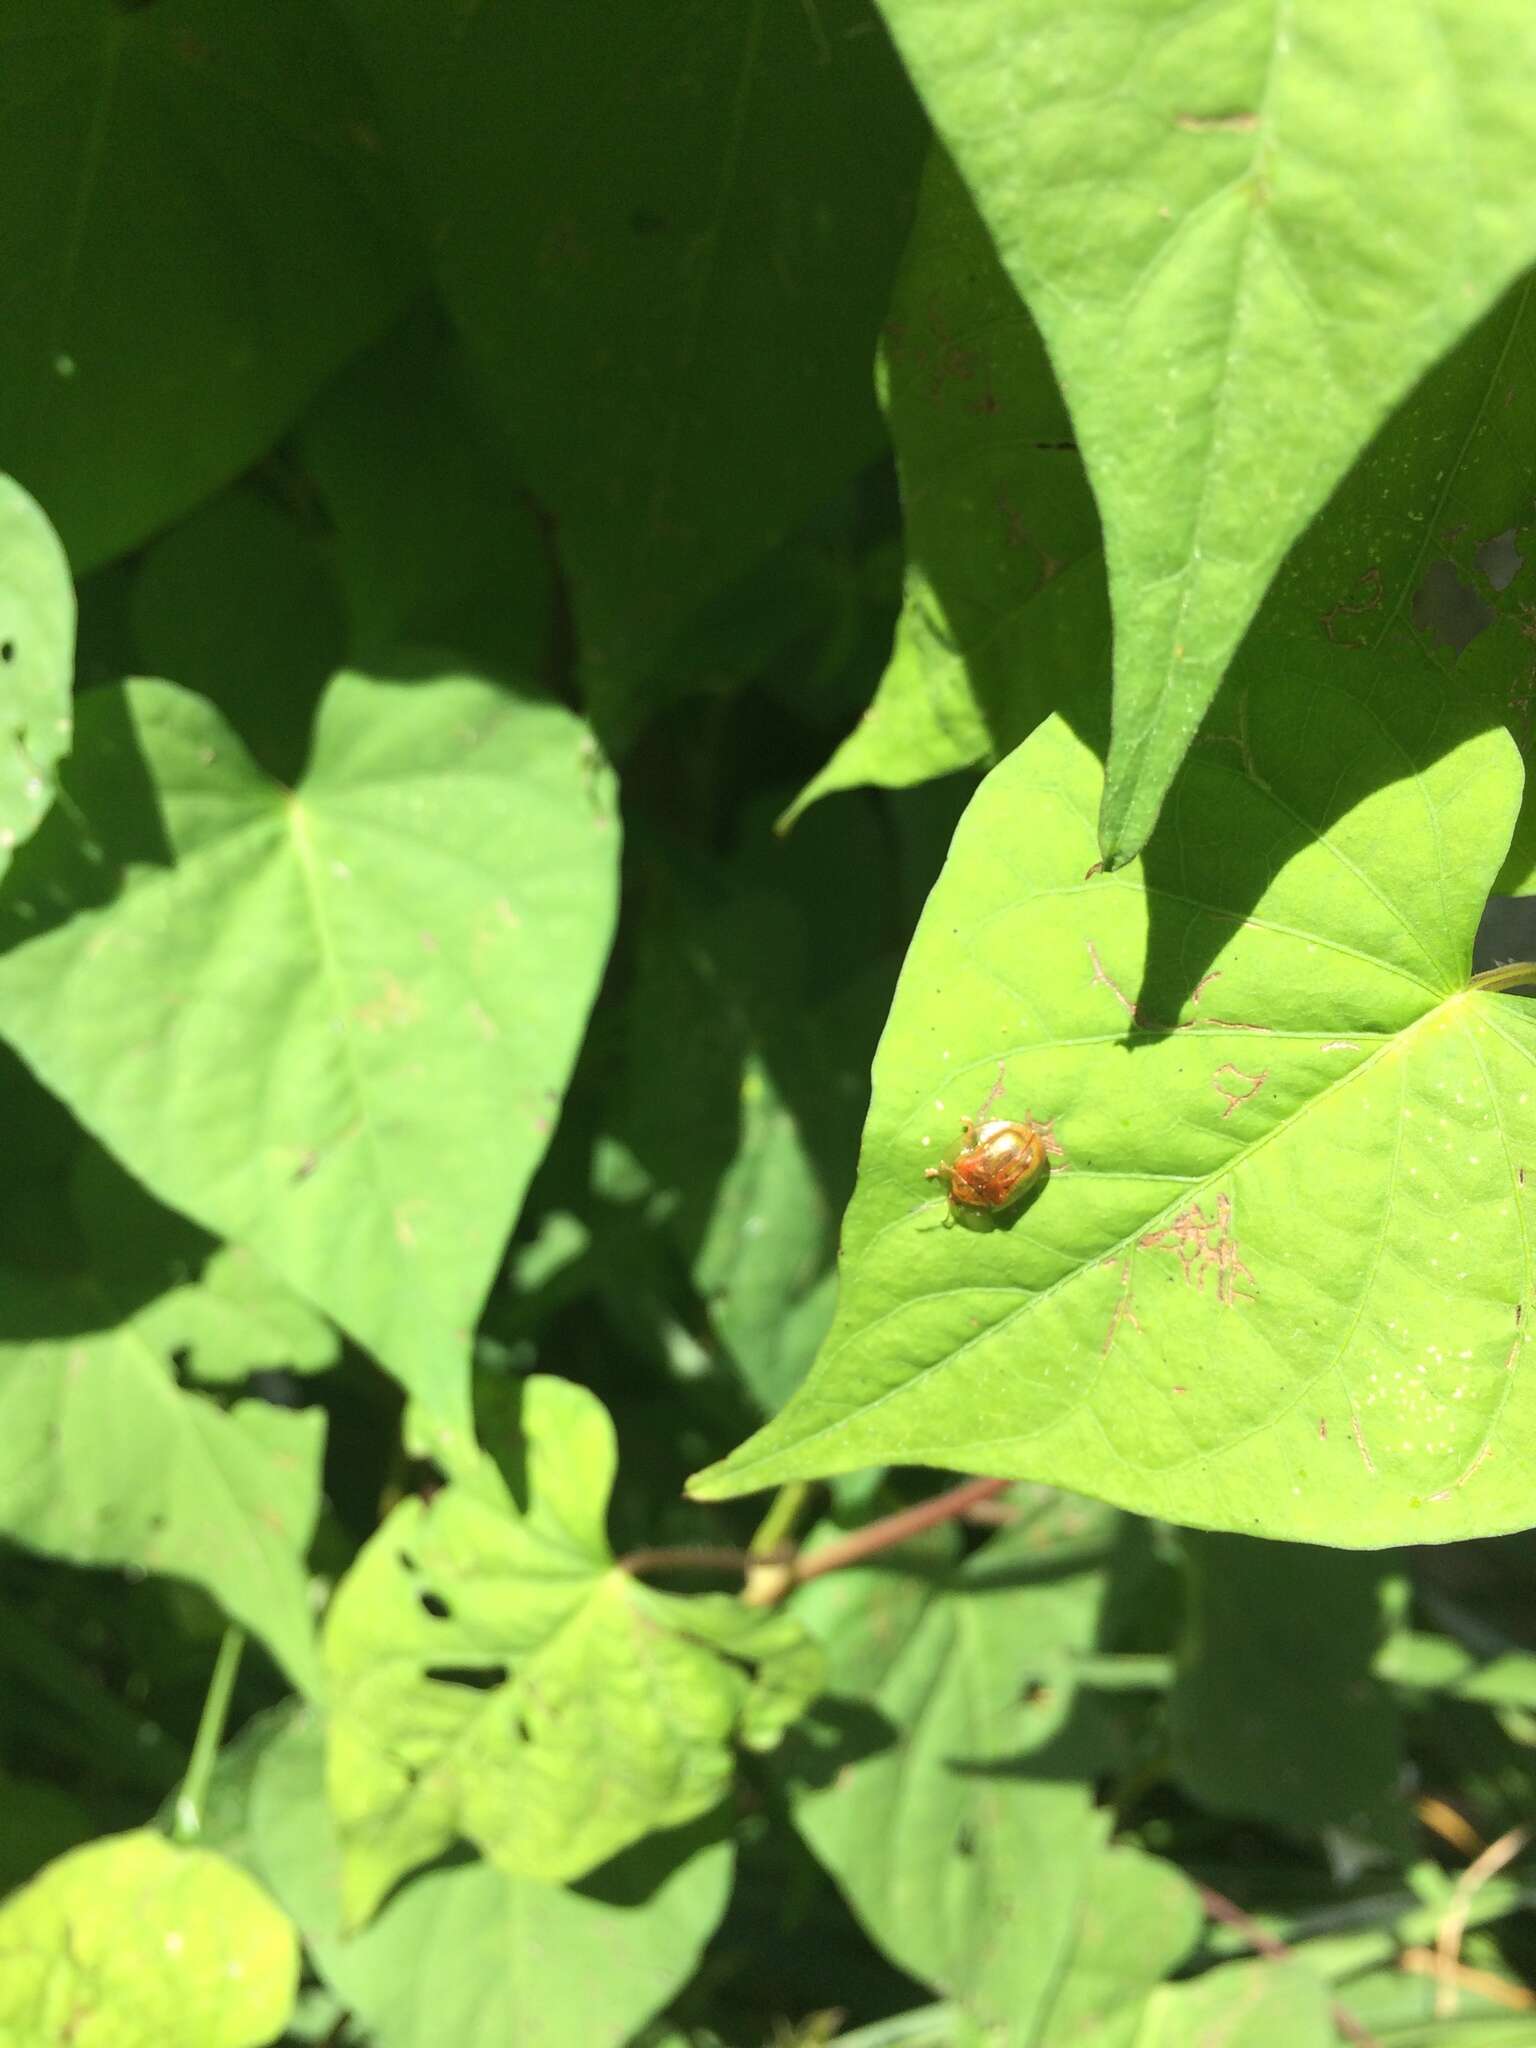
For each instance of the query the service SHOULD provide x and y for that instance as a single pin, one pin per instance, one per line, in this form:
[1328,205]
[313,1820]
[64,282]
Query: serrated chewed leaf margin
[494,1674]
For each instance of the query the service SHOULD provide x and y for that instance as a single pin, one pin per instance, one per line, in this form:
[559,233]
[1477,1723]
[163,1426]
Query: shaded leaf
[1274,1713]
[707,318]
[132,1943]
[472,1955]
[1239,2005]
[1250,1294]
[996,507]
[493,1674]
[107,1461]
[37,644]
[1244,238]
[239,603]
[174,317]
[1427,542]
[332,1023]
[437,543]
[941,1781]
[1138,1920]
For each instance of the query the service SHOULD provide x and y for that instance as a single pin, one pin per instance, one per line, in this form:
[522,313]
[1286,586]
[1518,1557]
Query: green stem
[777,1526]
[1518,974]
[193,1796]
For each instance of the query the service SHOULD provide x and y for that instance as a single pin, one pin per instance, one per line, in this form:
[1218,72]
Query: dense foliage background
[574,581]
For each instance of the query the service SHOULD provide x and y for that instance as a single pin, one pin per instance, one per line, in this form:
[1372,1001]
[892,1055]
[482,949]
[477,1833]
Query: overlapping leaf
[37,645]
[1244,235]
[474,1955]
[331,1023]
[996,507]
[198,227]
[708,331]
[1274,1713]
[132,1943]
[494,1674]
[107,1461]
[1279,1277]
[963,1813]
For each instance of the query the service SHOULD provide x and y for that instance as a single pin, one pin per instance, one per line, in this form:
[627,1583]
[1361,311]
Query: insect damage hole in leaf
[1226,1263]
[561,1710]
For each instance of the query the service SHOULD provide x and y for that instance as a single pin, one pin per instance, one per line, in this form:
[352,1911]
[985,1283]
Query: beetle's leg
[968,1130]
[943,1171]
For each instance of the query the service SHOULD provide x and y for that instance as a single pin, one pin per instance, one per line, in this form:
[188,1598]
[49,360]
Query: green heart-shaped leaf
[1279,1277]
[331,1023]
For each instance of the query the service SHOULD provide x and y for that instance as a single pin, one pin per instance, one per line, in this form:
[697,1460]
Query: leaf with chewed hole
[37,649]
[332,1023]
[130,1942]
[1278,1278]
[494,1674]
[1245,231]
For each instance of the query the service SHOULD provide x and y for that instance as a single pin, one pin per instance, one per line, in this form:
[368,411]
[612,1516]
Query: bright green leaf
[1138,1919]
[681,356]
[942,1784]
[334,1023]
[131,1943]
[493,1674]
[1274,1714]
[1276,1277]
[996,506]
[1245,233]
[37,645]
[107,1461]
[472,1956]
[1241,2005]
[198,227]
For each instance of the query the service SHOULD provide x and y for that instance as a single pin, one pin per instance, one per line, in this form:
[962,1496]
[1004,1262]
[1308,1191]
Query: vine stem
[898,1528]
[1518,974]
[771,1573]
[193,1796]
[1219,1907]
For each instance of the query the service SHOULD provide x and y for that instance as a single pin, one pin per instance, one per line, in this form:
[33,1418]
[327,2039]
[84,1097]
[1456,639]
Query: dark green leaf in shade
[1275,1714]
[997,508]
[676,326]
[198,226]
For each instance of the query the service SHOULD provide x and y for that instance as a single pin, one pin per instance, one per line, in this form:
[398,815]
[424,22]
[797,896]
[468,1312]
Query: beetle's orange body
[1000,1162]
